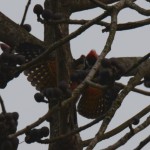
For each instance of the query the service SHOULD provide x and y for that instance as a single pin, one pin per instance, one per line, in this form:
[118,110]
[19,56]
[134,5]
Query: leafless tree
[63,81]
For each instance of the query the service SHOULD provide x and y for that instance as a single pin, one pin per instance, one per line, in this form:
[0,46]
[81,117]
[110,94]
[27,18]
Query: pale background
[18,95]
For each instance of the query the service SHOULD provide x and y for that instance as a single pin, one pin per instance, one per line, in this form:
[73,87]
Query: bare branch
[146,93]
[62,41]
[127,136]
[96,85]
[101,4]
[2,105]
[70,21]
[25,12]
[139,9]
[139,62]
[36,123]
[84,5]
[143,143]
[15,33]
[121,127]
[120,27]
[126,26]
[73,132]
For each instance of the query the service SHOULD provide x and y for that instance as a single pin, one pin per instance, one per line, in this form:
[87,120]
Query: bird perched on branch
[94,102]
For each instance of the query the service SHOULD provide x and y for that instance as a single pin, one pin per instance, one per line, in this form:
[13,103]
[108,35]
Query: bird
[42,75]
[93,102]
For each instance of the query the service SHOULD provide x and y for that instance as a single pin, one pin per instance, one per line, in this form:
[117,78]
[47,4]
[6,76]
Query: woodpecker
[94,102]
[42,75]
[91,57]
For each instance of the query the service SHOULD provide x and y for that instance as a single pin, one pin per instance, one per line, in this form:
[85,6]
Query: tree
[57,30]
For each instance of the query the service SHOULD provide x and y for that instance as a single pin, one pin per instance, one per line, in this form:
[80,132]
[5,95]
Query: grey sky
[19,93]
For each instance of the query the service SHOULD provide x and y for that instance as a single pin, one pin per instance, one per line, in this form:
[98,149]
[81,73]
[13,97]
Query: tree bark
[64,121]
[13,34]
[80,5]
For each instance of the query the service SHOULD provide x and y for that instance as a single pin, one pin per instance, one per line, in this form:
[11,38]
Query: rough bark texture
[63,121]
[12,34]
[79,5]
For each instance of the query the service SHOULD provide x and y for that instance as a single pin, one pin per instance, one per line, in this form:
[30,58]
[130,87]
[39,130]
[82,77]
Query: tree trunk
[63,121]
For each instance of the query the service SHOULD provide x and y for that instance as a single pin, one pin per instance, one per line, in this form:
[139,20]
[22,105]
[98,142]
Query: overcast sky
[18,95]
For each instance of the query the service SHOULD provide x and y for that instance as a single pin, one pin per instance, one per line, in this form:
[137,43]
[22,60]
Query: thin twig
[96,85]
[126,26]
[106,135]
[101,4]
[146,93]
[72,132]
[139,9]
[2,105]
[144,58]
[121,127]
[55,45]
[143,143]
[131,128]
[120,27]
[25,12]
[71,21]
[128,135]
